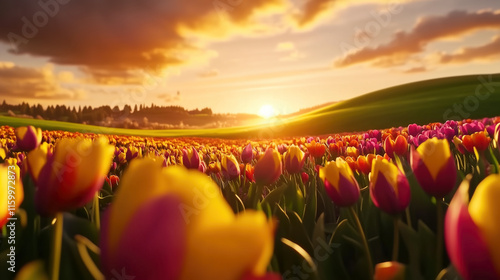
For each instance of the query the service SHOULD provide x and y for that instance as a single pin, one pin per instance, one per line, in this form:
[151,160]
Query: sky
[236,56]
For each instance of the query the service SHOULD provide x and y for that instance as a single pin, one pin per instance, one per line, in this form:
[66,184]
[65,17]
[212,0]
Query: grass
[420,102]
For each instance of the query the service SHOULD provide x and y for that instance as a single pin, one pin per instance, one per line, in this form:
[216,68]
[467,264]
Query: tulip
[398,147]
[477,140]
[230,167]
[389,271]
[37,158]
[352,152]
[364,163]
[340,183]
[13,193]
[190,158]
[414,130]
[316,150]
[28,137]
[472,230]
[113,181]
[294,159]
[70,177]
[389,188]
[269,168]
[497,133]
[305,177]
[192,233]
[247,154]
[434,167]
[133,152]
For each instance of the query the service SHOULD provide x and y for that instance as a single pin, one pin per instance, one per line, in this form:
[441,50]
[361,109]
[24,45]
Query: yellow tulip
[180,224]
[72,175]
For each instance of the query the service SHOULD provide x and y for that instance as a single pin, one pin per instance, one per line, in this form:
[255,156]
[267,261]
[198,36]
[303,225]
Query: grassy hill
[473,96]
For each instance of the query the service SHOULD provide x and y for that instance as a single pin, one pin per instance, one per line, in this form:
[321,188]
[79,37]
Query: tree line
[88,114]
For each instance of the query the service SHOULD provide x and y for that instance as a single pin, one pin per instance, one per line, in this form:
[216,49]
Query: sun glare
[267,111]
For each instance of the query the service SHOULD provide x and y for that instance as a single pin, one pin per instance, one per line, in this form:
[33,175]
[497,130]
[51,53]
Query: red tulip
[268,169]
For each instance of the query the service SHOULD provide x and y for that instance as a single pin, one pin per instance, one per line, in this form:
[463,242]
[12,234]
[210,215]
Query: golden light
[267,111]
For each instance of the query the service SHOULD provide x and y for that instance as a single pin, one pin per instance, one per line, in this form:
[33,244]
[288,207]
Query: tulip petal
[157,223]
[466,247]
[235,248]
[384,196]
[485,212]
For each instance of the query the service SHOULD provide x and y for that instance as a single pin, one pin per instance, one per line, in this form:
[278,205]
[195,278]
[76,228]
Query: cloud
[483,52]
[312,11]
[425,31]
[34,83]
[209,73]
[291,51]
[115,38]
[417,69]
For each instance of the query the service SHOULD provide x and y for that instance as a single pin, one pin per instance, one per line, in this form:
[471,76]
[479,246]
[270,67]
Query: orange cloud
[427,30]
[484,52]
[34,83]
[312,10]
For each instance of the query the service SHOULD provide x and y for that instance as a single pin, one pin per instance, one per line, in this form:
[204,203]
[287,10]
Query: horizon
[237,57]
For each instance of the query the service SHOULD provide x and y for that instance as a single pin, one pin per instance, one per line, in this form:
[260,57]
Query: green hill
[436,100]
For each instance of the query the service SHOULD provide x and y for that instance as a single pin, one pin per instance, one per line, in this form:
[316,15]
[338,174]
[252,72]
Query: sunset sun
[267,111]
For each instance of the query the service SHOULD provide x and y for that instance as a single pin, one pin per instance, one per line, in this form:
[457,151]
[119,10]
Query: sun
[267,111]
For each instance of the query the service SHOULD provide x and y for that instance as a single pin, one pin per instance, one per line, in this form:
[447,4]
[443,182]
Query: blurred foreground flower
[13,193]
[71,176]
[340,183]
[192,233]
[389,188]
[389,271]
[28,137]
[434,167]
[472,230]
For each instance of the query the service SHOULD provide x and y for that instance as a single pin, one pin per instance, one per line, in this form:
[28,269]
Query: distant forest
[140,116]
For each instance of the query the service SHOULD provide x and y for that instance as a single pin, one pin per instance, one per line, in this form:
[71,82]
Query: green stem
[439,237]
[257,195]
[55,254]
[97,215]
[365,243]
[395,247]
[408,217]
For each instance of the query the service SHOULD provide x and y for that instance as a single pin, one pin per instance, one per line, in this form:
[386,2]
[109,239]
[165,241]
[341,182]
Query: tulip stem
[408,217]
[363,238]
[439,233]
[97,215]
[56,246]
[395,247]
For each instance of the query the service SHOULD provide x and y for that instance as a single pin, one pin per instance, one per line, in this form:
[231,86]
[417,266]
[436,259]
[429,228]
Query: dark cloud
[427,30]
[312,10]
[118,37]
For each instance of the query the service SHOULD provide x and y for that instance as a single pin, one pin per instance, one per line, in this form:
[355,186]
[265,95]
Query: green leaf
[298,232]
[411,240]
[310,211]
[275,195]
[308,265]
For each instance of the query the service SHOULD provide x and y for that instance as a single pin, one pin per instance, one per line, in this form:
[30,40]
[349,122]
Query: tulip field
[412,202]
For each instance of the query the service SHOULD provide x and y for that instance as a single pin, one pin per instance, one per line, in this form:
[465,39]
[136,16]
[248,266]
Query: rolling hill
[436,100]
